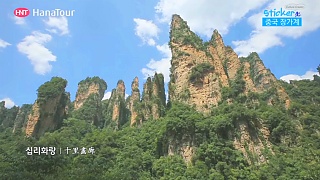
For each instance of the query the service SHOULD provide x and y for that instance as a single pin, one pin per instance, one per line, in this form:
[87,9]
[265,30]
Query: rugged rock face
[184,147]
[2,111]
[264,80]
[48,111]
[87,87]
[116,109]
[153,97]
[21,119]
[7,116]
[200,70]
[88,105]
[188,51]
[253,144]
[202,73]
[133,103]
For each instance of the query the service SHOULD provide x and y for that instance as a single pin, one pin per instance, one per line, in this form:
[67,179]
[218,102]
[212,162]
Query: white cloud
[19,20]
[307,75]
[161,66]
[151,42]
[107,95]
[167,96]
[8,102]
[164,49]
[57,25]
[203,16]
[263,38]
[4,44]
[146,31]
[37,53]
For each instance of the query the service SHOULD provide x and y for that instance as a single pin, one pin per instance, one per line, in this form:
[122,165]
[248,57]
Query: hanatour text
[53,13]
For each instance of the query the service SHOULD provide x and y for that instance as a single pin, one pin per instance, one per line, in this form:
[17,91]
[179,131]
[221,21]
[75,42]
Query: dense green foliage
[91,110]
[199,71]
[142,153]
[237,86]
[94,80]
[182,34]
[51,89]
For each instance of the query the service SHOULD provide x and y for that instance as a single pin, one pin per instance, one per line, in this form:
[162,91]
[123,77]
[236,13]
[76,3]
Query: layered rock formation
[253,143]
[88,105]
[21,119]
[15,117]
[184,147]
[153,97]
[200,70]
[151,105]
[133,103]
[49,109]
[7,116]
[202,73]
[89,86]
[115,108]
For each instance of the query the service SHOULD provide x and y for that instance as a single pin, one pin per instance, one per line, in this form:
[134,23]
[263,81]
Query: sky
[124,39]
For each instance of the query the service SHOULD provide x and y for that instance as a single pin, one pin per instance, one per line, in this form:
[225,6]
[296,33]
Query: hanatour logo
[283,17]
[24,12]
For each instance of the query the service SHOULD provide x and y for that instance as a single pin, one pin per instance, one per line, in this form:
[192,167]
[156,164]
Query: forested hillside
[137,153]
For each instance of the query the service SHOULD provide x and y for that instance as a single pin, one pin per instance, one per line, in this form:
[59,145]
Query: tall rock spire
[153,97]
[205,74]
[200,71]
[116,109]
[88,100]
[48,111]
[134,102]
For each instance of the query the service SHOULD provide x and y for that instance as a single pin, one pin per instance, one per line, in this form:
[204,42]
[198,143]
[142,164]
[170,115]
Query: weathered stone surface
[184,147]
[7,116]
[21,119]
[188,52]
[48,111]
[153,97]
[87,105]
[251,144]
[87,87]
[190,57]
[46,117]
[116,109]
[134,101]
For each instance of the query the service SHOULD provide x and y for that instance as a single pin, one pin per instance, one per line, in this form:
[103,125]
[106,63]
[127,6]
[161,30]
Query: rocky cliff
[116,109]
[89,86]
[87,104]
[204,74]
[15,117]
[200,70]
[7,116]
[133,103]
[153,101]
[49,109]
[21,119]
